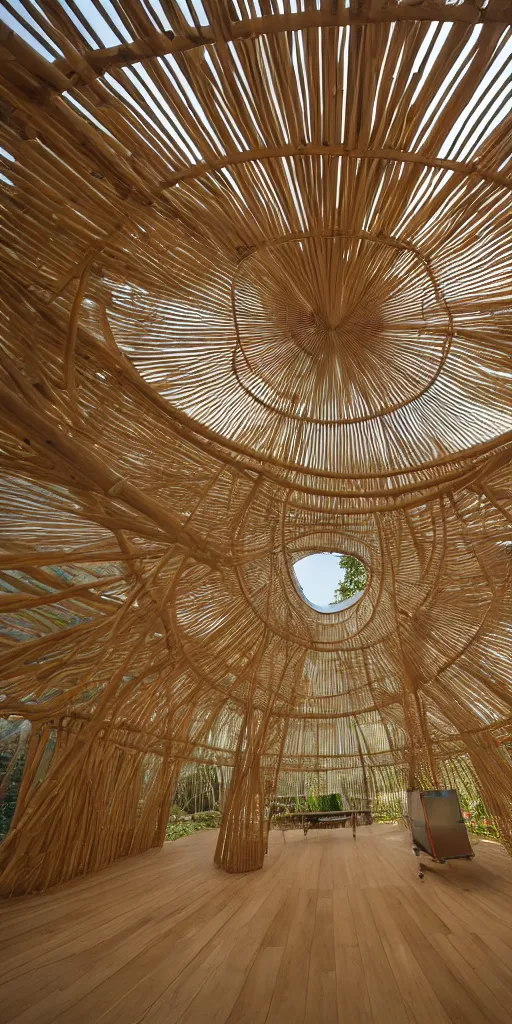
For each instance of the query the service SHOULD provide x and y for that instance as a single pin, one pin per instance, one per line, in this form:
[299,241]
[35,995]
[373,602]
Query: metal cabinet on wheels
[437,826]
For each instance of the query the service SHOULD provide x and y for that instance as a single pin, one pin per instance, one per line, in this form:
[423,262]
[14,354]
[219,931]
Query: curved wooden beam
[162,44]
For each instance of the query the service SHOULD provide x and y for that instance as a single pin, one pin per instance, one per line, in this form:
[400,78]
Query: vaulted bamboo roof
[256,303]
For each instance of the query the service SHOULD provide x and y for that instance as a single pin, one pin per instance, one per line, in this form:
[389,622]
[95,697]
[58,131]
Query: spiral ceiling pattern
[255,303]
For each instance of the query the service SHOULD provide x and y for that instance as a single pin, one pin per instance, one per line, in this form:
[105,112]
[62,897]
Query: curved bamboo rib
[394,155]
[254,304]
[163,43]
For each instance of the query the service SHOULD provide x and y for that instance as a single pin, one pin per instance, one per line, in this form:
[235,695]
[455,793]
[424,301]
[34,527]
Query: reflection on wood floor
[331,930]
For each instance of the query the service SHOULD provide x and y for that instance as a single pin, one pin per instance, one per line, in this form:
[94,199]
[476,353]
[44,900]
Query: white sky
[319,576]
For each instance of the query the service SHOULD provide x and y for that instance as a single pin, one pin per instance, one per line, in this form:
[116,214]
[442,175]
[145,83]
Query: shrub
[196,823]
[176,812]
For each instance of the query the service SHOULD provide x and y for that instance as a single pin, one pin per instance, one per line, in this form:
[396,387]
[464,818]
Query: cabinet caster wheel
[421,875]
[415,851]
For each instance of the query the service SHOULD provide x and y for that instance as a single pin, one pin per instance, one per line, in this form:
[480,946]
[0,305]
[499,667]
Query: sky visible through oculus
[319,575]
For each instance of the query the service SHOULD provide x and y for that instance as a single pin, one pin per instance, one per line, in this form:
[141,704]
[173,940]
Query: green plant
[208,819]
[480,822]
[354,579]
[176,812]
[330,802]
[179,829]
[196,823]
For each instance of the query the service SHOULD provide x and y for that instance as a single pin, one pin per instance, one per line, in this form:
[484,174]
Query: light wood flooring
[331,930]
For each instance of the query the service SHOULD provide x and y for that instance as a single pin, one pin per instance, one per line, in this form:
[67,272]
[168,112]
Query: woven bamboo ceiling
[256,303]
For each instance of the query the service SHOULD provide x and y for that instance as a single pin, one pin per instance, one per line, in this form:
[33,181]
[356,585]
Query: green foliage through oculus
[354,580]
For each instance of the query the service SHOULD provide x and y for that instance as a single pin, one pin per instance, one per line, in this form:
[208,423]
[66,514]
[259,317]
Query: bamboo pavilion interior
[256,304]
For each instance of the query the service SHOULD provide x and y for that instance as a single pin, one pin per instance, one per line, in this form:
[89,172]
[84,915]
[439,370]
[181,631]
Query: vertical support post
[241,845]
[243,836]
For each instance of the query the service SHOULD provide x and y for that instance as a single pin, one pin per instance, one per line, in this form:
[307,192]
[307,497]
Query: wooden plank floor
[330,931]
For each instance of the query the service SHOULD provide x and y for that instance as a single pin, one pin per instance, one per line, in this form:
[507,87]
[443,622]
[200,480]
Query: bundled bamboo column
[242,842]
[241,845]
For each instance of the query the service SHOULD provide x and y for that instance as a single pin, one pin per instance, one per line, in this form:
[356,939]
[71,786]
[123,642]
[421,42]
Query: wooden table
[327,819]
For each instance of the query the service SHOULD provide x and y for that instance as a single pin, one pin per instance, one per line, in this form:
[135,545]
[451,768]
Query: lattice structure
[256,303]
